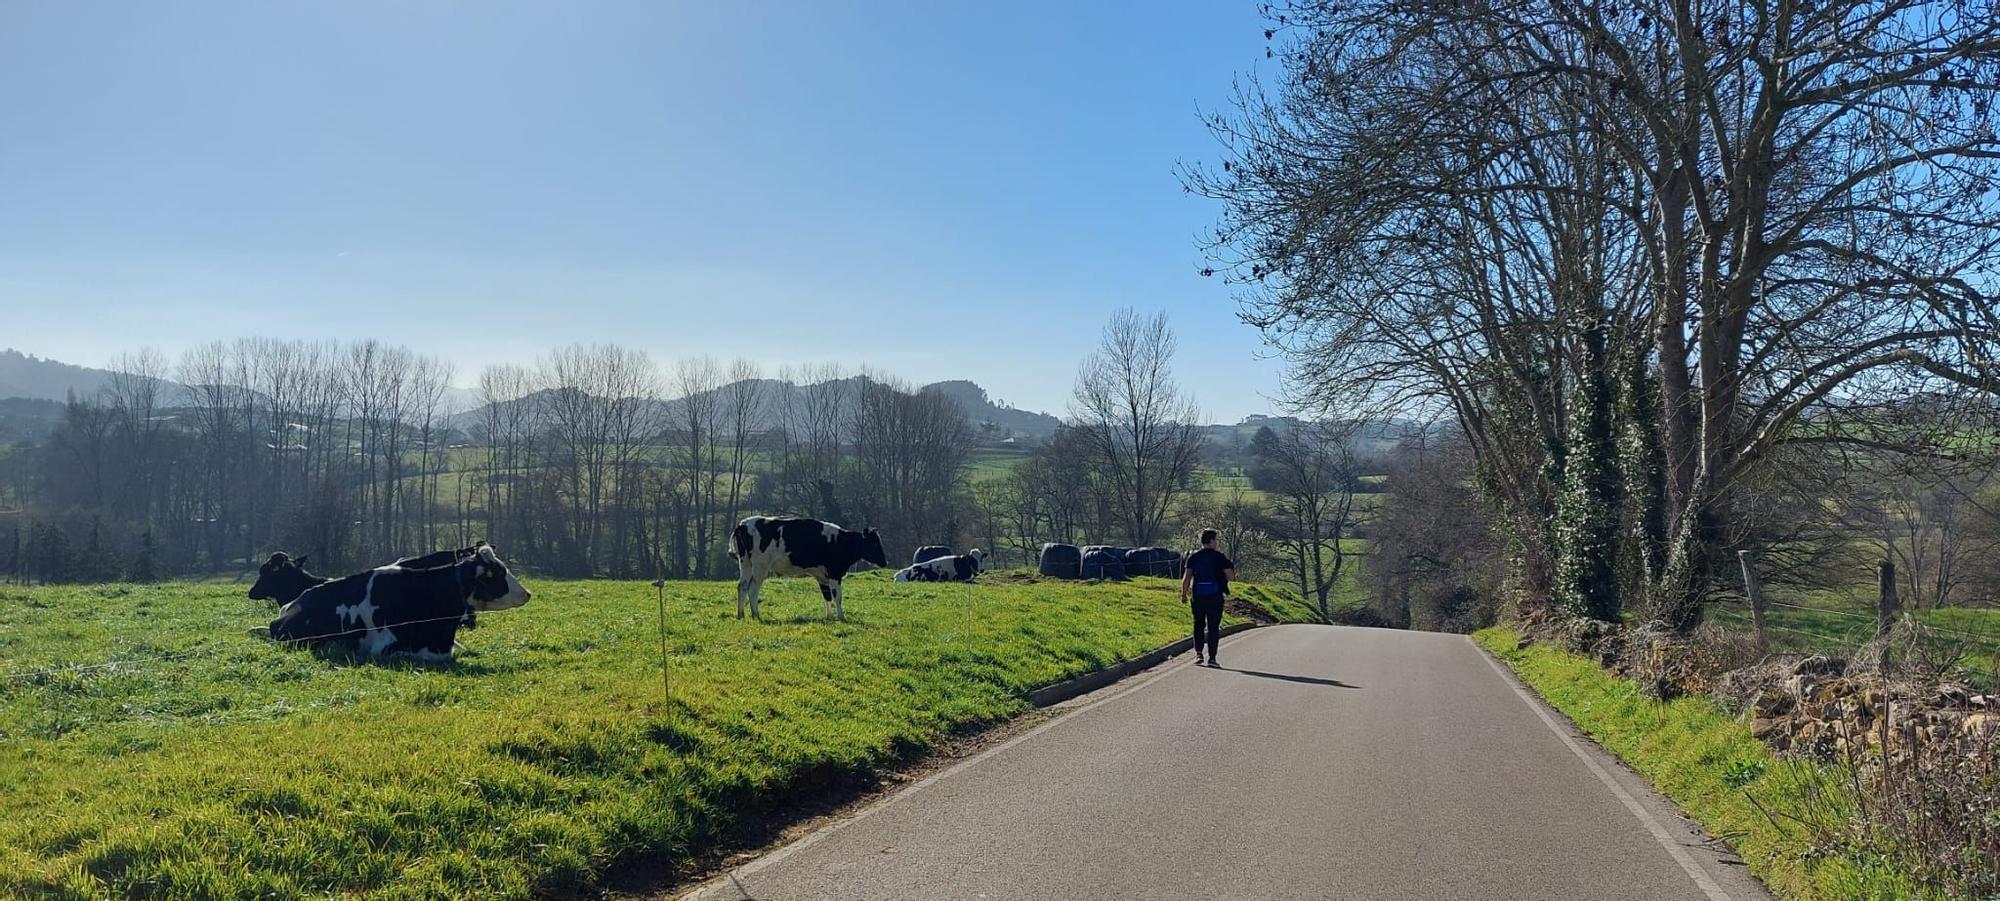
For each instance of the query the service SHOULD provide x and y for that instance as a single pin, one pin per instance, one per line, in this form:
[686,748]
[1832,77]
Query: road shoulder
[1716,868]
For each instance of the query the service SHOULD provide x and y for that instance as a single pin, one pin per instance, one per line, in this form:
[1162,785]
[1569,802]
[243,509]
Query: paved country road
[1321,762]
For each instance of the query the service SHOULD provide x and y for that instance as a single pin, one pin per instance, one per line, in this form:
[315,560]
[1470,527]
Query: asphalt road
[1321,762]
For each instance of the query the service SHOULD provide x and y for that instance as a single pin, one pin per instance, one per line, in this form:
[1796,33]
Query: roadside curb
[1049,695]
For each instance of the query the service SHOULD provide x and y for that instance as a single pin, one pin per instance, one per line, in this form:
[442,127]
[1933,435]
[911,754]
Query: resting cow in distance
[393,608]
[957,568]
[766,546]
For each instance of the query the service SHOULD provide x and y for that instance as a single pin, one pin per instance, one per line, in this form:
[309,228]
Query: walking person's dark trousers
[1207,622]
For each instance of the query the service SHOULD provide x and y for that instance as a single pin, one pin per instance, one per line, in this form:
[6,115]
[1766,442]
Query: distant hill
[773,395]
[37,379]
[983,409]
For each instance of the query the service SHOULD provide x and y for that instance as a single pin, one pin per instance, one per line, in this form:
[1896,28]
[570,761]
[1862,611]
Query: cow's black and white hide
[957,568]
[392,608]
[766,546]
[436,559]
[283,577]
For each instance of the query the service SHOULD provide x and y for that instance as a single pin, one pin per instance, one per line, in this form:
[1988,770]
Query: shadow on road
[1306,680]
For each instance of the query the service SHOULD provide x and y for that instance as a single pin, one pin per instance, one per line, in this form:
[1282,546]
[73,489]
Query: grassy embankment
[1709,764]
[539,760]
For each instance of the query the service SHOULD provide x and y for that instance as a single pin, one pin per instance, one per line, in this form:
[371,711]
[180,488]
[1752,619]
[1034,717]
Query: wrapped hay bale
[930,552]
[1104,562]
[1153,561]
[1061,561]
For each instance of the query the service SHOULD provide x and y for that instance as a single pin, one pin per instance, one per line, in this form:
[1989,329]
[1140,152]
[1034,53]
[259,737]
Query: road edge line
[1653,825]
[822,833]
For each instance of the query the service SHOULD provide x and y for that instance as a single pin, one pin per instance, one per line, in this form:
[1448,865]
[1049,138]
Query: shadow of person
[1282,677]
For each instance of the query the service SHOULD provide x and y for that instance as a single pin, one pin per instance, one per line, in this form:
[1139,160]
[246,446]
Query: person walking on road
[1205,576]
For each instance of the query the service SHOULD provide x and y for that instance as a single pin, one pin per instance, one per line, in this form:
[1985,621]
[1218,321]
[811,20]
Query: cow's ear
[302,559]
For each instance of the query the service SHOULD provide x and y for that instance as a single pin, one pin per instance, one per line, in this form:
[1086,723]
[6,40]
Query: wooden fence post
[1887,606]
[1754,588]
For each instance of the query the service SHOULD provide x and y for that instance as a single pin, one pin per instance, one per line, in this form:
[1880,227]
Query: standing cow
[766,546]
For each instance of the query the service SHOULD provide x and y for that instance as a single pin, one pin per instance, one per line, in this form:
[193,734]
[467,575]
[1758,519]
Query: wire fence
[1845,630]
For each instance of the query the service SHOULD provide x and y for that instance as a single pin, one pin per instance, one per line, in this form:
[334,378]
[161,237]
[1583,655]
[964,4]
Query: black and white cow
[957,568]
[394,608]
[766,546]
[283,577]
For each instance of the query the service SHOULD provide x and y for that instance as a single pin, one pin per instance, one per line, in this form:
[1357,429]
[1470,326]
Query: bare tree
[910,451]
[508,417]
[698,459]
[1142,428]
[742,407]
[1309,471]
[814,415]
[597,402]
[1779,211]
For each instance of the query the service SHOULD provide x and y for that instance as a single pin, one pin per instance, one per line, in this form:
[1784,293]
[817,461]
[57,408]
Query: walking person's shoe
[1197,658]
[1211,662]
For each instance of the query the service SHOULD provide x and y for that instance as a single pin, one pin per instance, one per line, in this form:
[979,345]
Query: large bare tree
[1144,430]
[1781,207]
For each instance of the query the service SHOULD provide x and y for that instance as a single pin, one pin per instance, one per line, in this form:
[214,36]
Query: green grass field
[540,759]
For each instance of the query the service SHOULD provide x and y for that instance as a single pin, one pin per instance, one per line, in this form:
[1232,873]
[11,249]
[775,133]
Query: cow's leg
[742,594]
[839,594]
[826,590]
[756,592]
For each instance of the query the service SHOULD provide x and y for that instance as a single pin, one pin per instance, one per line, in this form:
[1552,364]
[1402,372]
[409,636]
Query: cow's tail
[740,542]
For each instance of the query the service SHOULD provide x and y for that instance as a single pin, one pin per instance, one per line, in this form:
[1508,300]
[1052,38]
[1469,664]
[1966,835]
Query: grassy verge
[541,758]
[1708,763]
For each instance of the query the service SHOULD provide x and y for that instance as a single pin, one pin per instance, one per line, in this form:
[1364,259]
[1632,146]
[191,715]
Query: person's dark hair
[1208,536]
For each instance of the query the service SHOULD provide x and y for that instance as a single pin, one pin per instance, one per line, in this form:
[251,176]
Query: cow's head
[871,548]
[978,559]
[492,586]
[282,578]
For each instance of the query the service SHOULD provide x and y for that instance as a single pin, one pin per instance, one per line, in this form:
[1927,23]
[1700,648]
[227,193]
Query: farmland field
[210,763]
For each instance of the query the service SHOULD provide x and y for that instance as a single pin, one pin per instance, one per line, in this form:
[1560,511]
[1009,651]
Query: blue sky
[939,190]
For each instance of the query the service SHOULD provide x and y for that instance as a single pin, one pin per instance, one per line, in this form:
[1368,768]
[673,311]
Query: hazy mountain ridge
[773,396]
[26,376]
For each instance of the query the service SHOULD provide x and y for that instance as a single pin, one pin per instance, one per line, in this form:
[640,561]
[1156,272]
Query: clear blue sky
[940,190]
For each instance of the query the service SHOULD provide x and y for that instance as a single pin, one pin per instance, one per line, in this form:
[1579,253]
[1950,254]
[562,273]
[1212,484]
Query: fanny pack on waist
[1208,588]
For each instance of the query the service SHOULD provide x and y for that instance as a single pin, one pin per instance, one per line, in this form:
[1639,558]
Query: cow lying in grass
[959,568]
[283,577]
[766,546]
[393,608]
